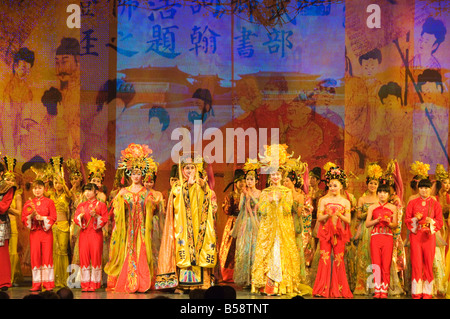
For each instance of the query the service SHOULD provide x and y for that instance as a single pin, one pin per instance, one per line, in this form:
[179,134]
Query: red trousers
[41,251]
[331,279]
[423,248]
[5,266]
[381,247]
[91,249]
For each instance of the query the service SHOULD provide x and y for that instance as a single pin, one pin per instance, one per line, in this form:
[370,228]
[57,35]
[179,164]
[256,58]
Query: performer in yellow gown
[188,251]
[61,196]
[276,268]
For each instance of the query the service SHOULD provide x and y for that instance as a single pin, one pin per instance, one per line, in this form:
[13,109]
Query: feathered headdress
[10,164]
[295,170]
[152,171]
[56,163]
[374,172]
[440,172]
[275,157]
[96,168]
[420,169]
[252,166]
[136,156]
[335,172]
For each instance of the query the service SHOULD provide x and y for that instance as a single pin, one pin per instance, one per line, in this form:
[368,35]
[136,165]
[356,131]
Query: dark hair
[161,114]
[436,28]
[414,182]
[38,182]
[90,186]
[374,54]
[68,46]
[50,100]
[392,88]
[425,182]
[65,293]
[383,188]
[25,55]
[2,167]
[204,95]
[48,294]
[430,75]
[296,180]
[113,89]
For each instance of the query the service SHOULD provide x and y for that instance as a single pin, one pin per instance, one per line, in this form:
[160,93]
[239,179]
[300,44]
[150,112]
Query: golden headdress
[74,167]
[275,157]
[252,166]
[10,164]
[152,171]
[56,163]
[136,156]
[420,169]
[374,172]
[335,172]
[96,168]
[295,169]
[441,173]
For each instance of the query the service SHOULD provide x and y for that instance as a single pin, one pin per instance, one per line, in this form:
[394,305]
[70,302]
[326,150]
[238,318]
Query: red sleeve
[103,212]
[409,214]
[78,212]
[7,200]
[52,211]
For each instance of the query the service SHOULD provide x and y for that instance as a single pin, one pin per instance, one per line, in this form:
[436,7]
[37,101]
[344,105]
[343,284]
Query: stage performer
[39,215]
[246,226]
[423,219]
[333,232]
[230,208]
[130,265]
[91,216]
[7,190]
[362,236]
[276,269]
[62,197]
[381,219]
[188,251]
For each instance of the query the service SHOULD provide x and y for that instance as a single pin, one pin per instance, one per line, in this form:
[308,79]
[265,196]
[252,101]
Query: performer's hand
[429,220]
[418,216]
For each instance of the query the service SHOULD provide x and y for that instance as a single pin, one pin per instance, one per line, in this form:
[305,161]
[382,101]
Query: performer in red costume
[39,215]
[423,219]
[7,190]
[91,216]
[383,217]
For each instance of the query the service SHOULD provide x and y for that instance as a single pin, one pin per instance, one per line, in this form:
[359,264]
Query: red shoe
[425,296]
[91,289]
[377,295]
[36,287]
[383,295]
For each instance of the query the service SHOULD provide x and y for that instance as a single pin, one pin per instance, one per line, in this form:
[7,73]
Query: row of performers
[281,240]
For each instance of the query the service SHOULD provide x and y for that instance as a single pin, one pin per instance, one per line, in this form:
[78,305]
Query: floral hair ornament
[152,171]
[420,169]
[335,172]
[136,157]
[440,173]
[252,166]
[295,170]
[274,158]
[374,172]
[56,163]
[96,168]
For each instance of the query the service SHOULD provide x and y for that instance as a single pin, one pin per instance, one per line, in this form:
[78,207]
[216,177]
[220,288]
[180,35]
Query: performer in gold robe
[188,251]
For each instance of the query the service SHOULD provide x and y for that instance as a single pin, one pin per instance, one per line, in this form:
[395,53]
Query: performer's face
[383,196]
[38,190]
[250,181]
[189,170]
[90,194]
[288,183]
[424,192]
[276,177]
[149,183]
[75,180]
[57,185]
[173,180]
[97,181]
[313,181]
[446,185]
[372,186]
[240,184]
[335,187]
[136,176]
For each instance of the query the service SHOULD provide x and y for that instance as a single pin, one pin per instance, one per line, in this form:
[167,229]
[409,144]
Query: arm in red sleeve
[439,222]
[102,211]
[409,215]
[7,200]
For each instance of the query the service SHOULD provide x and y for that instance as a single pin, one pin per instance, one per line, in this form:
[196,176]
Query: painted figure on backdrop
[245,230]
[334,219]
[231,208]
[62,198]
[51,99]
[302,132]
[76,182]
[91,215]
[440,191]
[156,200]
[158,135]
[15,217]
[249,97]
[393,177]
[39,215]
[7,190]
[423,219]
[188,251]
[202,100]
[130,265]
[363,234]
[430,119]
[301,210]
[381,220]
[276,268]
[67,65]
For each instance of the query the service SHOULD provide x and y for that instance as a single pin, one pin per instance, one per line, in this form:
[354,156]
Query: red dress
[5,264]
[331,279]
